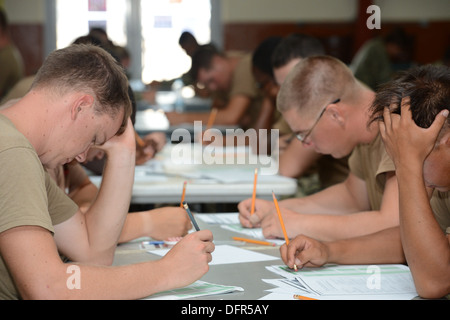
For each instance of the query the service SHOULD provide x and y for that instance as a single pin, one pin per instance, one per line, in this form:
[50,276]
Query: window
[162,22]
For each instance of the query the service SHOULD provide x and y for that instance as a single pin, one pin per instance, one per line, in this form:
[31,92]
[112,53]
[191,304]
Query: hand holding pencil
[286,238]
[303,251]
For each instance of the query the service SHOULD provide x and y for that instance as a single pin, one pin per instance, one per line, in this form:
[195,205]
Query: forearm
[135,226]
[75,282]
[332,200]
[85,195]
[188,117]
[334,227]
[420,232]
[106,216]
[297,159]
[377,248]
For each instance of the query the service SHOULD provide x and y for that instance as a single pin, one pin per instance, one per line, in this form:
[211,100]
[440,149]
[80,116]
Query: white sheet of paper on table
[225,254]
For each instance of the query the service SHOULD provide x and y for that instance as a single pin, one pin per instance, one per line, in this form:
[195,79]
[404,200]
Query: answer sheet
[225,254]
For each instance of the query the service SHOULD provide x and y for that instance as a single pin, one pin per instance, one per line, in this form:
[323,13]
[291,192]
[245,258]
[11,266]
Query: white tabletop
[161,179]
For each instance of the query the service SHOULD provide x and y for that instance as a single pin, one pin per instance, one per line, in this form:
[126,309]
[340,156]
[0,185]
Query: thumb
[439,121]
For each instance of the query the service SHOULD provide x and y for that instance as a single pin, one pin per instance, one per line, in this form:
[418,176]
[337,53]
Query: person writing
[78,99]
[328,109]
[416,133]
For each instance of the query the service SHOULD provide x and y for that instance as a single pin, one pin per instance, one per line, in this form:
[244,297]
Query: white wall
[330,10]
[25,11]
[33,11]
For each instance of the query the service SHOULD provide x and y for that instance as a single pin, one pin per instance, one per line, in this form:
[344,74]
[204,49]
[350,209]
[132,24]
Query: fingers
[289,252]
[207,237]
[387,116]
[406,108]
[248,220]
[304,251]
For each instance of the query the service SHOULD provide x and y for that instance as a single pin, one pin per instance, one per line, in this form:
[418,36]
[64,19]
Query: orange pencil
[299,297]
[139,141]
[266,243]
[281,222]
[212,118]
[183,194]
[254,192]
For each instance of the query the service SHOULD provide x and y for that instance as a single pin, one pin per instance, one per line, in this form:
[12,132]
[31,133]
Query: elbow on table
[432,288]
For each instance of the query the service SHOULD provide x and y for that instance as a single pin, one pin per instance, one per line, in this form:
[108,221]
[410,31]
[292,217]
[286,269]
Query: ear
[80,104]
[444,139]
[336,113]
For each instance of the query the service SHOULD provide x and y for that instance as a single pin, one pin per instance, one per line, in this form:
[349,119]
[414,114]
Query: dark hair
[399,37]
[202,59]
[262,56]
[296,45]
[185,37]
[428,88]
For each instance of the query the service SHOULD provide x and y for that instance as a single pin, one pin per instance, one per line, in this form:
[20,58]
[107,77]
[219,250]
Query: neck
[364,133]
[31,121]
[369,132]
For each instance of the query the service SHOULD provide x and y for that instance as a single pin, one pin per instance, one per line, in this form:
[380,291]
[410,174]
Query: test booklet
[341,282]
[196,289]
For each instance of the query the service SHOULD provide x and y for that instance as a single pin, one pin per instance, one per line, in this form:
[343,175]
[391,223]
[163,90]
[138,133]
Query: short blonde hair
[313,82]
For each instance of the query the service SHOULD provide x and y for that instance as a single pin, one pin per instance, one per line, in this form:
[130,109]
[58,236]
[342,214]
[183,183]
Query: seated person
[416,133]
[328,109]
[263,75]
[375,62]
[297,160]
[228,77]
[79,98]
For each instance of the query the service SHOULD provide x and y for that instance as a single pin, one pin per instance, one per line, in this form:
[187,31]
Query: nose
[307,142]
[100,155]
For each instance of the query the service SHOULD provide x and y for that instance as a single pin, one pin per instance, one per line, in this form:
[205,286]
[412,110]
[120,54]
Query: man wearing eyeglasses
[329,110]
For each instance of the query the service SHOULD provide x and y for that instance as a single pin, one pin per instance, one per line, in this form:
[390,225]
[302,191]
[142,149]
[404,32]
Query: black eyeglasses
[303,135]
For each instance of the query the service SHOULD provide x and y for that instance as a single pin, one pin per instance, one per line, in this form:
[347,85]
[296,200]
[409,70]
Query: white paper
[219,218]
[359,282]
[226,254]
[196,289]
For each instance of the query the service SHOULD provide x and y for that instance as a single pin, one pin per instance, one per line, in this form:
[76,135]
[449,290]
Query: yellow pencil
[254,192]
[183,194]
[266,243]
[281,222]
[212,118]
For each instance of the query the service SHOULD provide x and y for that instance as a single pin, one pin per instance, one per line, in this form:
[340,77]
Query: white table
[161,180]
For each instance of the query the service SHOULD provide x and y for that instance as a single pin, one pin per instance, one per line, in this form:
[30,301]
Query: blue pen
[191,216]
[153,242]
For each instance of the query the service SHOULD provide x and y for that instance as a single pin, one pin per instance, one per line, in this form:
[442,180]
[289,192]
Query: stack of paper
[355,282]
[197,289]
